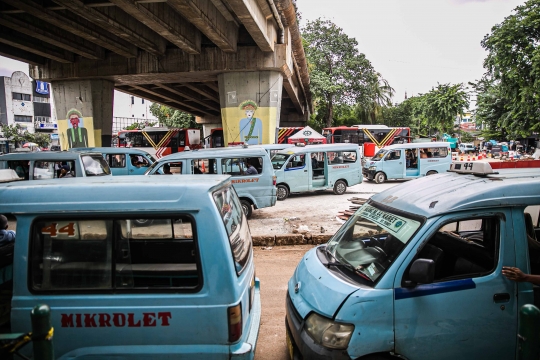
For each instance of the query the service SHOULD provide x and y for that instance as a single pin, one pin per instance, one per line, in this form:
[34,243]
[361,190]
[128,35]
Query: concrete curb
[290,239]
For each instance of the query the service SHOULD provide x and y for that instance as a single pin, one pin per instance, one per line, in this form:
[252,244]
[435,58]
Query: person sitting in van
[196,170]
[423,154]
[65,172]
[6,236]
[167,169]
[250,168]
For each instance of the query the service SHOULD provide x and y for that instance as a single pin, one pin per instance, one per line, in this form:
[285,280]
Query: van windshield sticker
[400,227]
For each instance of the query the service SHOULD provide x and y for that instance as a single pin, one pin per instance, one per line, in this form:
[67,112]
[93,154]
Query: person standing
[6,236]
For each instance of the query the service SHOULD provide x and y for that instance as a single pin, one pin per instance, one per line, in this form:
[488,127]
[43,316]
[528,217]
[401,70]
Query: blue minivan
[416,272]
[183,287]
[124,161]
[303,168]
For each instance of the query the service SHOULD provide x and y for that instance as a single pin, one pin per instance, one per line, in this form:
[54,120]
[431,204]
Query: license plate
[289,345]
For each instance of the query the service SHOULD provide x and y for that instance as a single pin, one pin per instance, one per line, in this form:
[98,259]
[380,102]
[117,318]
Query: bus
[284,133]
[160,141]
[380,135]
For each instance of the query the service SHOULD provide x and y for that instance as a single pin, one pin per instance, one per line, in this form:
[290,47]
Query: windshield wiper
[338,264]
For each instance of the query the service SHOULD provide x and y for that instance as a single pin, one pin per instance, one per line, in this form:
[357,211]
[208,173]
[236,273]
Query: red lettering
[66,320]
[149,319]
[78,321]
[104,320]
[131,321]
[164,317]
[119,320]
[89,320]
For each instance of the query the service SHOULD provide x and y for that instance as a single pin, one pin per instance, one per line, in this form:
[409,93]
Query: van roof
[115,150]
[417,145]
[127,194]
[217,152]
[318,148]
[46,155]
[449,192]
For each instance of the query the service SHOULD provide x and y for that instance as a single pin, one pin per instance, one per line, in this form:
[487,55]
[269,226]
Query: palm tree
[380,96]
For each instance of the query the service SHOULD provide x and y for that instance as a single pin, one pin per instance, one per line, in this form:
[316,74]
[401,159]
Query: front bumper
[368,173]
[303,345]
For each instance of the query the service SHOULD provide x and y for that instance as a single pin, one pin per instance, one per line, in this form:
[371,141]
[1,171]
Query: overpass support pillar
[89,101]
[250,106]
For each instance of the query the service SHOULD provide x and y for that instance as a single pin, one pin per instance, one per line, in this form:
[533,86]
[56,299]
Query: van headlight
[372,168]
[328,333]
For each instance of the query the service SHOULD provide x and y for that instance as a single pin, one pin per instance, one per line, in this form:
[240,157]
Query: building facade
[25,102]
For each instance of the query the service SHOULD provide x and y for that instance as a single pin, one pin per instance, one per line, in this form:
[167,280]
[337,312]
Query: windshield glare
[95,165]
[371,240]
[379,155]
[278,160]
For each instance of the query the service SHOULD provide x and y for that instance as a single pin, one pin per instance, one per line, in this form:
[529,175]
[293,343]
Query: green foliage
[19,135]
[514,63]
[491,110]
[140,126]
[339,74]
[173,118]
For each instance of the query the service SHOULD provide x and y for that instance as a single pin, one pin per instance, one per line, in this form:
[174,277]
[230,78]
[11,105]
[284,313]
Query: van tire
[282,192]
[431,172]
[340,187]
[379,177]
[246,208]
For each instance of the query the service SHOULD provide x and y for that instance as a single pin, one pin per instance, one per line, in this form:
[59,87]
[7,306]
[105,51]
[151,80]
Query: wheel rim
[379,178]
[245,209]
[281,193]
[341,188]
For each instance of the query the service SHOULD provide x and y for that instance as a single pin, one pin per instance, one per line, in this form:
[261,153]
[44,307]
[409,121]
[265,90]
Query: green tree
[380,96]
[339,74]
[441,105]
[492,110]
[19,135]
[173,118]
[514,62]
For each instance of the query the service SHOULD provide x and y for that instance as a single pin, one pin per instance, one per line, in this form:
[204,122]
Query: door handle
[501,298]
[305,170]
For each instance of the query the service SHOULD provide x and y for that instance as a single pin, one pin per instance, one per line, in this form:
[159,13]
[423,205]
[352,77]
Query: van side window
[116,160]
[114,254]
[463,249]
[203,166]
[438,152]
[239,166]
[393,155]
[532,228]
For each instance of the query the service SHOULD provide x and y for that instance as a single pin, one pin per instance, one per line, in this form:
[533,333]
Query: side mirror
[422,271]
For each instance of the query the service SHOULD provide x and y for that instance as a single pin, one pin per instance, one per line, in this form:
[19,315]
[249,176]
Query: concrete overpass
[216,59]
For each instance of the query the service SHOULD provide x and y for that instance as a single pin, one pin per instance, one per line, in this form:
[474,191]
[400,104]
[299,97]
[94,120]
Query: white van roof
[417,145]
[447,192]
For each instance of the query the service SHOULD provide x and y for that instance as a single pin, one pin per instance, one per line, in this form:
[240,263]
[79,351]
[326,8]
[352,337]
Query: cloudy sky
[416,44]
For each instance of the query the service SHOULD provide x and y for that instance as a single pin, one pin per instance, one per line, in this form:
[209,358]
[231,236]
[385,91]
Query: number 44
[52,230]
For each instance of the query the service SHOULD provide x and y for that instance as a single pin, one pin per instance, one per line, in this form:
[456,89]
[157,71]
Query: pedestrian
[6,236]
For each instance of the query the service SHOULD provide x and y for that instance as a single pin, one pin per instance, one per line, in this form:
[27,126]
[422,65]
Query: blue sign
[42,87]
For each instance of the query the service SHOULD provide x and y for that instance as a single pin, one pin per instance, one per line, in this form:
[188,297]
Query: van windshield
[371,240]
[278,160]
[379,155]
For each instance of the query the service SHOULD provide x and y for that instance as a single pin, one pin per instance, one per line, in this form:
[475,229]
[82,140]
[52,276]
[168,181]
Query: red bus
[380,135]
[160,141]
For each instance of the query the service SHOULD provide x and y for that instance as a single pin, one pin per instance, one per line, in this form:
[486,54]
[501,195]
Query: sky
[416,44]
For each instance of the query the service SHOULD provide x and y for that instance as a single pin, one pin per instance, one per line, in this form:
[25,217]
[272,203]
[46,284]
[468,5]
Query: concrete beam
[166,96]
[165,22]
[26,43]
[50,38]
[210,21]
[87,32]
[190,95]
[203,92]
[259,24]
[110,19]
[21,55]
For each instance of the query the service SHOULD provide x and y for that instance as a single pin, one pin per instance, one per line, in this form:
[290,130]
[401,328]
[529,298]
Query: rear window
[103,254]
[236,225]
[95,165]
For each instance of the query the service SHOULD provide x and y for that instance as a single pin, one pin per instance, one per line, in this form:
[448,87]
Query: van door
[297,172]
[318,178]
[394,164]
[137,165]
[470,309]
